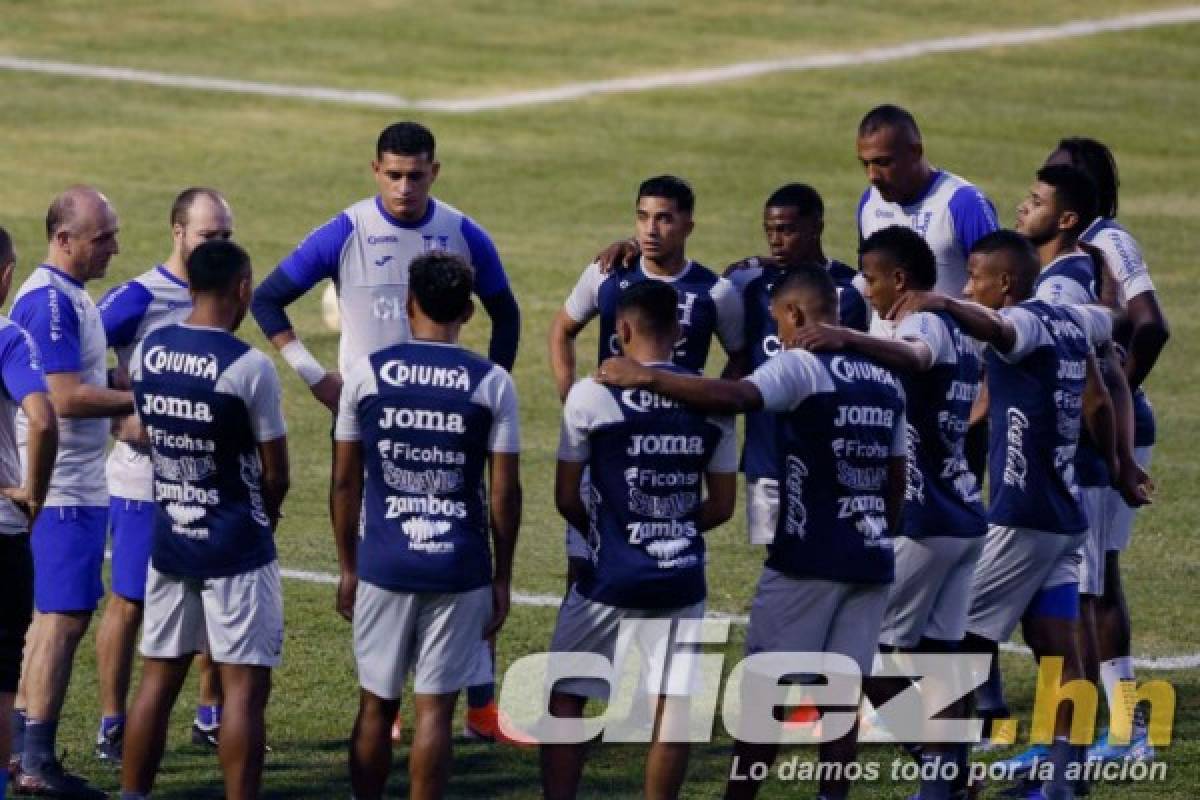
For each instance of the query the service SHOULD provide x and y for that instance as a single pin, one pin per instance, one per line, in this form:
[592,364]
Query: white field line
[1180,662]
[663,80]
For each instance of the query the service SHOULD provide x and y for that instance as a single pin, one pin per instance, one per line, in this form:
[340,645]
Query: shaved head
[81,228]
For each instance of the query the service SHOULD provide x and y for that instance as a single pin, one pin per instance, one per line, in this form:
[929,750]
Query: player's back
[835,447]
[198,391]
[426,413]
[942,497]
[648,458]
[1035,414]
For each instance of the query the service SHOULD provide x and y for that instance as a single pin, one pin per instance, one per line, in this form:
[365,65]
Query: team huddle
[877,401]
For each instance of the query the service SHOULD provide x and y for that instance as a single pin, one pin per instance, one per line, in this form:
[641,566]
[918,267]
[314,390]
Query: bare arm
[1148,338]
[276,477]
[738,366]
[717,508]
[896,354]
[74,399]
[345,506]
[704,394]
[623,251]
[42,449]
[1126,475]
[563,331]
[505,507]
[328,388]
[567,479]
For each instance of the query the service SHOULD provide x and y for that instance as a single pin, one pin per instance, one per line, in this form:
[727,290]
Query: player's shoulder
[138,291]
[696,274]
[745,278]
[842,273]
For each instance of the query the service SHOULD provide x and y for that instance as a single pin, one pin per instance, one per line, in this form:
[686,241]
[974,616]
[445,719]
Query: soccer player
[68,536]
[424,427]
[941,533]
[639,483]
[1061,203]
[1038,359]
[129,312]
[22,385]
[1143,338]
[211,406]
[841,428]
[793,220]
[950,213]
[366,250]
[708,304]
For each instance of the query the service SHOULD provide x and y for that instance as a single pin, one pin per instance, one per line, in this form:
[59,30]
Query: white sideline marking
[1191,661]
[662,80]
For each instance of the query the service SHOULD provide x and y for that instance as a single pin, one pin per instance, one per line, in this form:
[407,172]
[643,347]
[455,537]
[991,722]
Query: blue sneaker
[1022,764]
[1138,749]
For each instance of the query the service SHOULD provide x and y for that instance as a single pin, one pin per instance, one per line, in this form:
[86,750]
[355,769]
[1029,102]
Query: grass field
[552,184]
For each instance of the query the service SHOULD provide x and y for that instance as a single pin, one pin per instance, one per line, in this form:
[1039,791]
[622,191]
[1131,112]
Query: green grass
[552,185]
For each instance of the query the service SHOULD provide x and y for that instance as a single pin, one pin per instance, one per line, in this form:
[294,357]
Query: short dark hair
[406,139]
[812,279]
[889,116]
[6,246]
[1011,242]
[656,305]
[908,250]
[800,196]
[671,188]
[215,265]
[1074,190]
[441,283]
[185,199]
[1094,158]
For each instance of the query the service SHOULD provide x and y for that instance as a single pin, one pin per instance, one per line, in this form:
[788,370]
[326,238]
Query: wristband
[307,367]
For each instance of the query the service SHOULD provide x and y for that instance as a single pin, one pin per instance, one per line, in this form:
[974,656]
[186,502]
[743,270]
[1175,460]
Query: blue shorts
[68,555]
[132,523]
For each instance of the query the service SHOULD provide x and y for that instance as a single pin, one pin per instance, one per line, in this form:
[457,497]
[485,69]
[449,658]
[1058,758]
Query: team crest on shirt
[435,242]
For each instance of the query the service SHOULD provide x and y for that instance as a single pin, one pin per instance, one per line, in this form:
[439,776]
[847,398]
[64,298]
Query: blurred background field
[553,184]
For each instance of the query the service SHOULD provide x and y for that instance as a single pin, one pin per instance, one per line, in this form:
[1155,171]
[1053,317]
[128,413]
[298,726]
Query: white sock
[1118,678]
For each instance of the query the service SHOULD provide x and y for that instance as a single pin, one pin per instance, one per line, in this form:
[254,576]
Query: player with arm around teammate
[842,459]
[662,475]
[129,312]
[1143,333]
[1038,359]
[22,385]
[708,304]
[211,407]
[941,532]
[424,427]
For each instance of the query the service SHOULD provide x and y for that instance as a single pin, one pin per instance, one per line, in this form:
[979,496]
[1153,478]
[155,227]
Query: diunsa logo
[159,359]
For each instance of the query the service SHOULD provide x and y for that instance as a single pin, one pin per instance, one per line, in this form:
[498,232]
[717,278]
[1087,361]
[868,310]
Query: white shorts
[1120,516]
[1015,564]
[932,590]
[762,510]
[1094,500]
[437,636]
[236,620]
[585,626]
[805,615]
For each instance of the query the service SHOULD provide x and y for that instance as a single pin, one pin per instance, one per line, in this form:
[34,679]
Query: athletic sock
[17,723]
[1117,676]
[134,796]
[108,724]
[989,696]
[961,753]
[208,717]
[1066,759]
[40,737]
[4,782]
[938,787]
[479,696]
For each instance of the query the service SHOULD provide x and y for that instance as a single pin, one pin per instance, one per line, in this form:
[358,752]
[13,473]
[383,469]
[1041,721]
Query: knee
[127,612]
[66,628]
